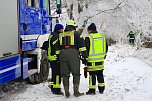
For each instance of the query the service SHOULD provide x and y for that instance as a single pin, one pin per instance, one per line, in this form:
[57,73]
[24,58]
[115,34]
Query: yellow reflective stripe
[132,38]
[98,54]
[72,39]
[57,85]
[104,43]
[57,52]
[55,56]
[50,36]
[92,58]
[93,64]
[95,68]
[70,34]
[57,79]
[54,42]
[95,59]
[49,49]
[92,87]
[101,84]
[60,38]
[82,49]
[61,35]
[90,84]
[132,33]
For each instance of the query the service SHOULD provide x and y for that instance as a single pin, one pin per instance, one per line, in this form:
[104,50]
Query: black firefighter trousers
[56,76]
[92,80]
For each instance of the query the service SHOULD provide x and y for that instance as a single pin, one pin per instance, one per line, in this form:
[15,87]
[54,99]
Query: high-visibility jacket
[53,50]
[97,51]
[67,38]
[97,47]
[131,35]
[72,39]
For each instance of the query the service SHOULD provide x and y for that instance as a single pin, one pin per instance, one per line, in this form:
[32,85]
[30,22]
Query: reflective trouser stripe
[101,84]
[90,84]
[57,85]
[82,49]
[95,68]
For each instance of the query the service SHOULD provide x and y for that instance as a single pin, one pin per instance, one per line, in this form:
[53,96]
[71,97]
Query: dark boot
[91,92]
[58,91]
[101,92]
[76,91]
[67,93]
[101,89]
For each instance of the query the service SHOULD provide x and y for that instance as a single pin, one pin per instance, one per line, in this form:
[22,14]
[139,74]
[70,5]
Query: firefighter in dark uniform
[72,45]
[53,54]
[131,36]
[97,48]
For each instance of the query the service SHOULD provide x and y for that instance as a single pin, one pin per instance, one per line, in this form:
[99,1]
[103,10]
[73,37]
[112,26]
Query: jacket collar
[93,32]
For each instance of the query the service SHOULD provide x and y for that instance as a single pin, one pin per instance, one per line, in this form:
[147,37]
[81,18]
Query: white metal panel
[8,27]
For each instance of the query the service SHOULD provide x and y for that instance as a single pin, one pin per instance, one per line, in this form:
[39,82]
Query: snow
[128,69]
[127,78]
[115,18]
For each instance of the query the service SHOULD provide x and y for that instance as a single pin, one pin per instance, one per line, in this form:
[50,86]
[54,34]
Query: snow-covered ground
[127,78]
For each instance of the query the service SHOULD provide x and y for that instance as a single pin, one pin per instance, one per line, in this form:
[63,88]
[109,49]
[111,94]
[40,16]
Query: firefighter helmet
[71,22]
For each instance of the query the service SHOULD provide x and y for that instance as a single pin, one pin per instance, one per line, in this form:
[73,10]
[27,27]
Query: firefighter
[97,48]
[71,43]
[53,53]
[131,36]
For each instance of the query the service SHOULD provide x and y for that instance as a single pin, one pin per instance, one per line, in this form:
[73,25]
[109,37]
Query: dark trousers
[131,41]
[56,76]
[92,80]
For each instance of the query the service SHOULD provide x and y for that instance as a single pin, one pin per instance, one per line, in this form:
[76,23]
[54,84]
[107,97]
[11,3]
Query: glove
[85,72]
[52,58]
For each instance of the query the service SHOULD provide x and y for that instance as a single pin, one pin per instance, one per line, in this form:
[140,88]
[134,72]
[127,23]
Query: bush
[147,44]
[111,41]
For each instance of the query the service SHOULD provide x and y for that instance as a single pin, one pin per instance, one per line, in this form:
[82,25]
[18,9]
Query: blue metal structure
[10,68]
[34,27]
[34,21]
